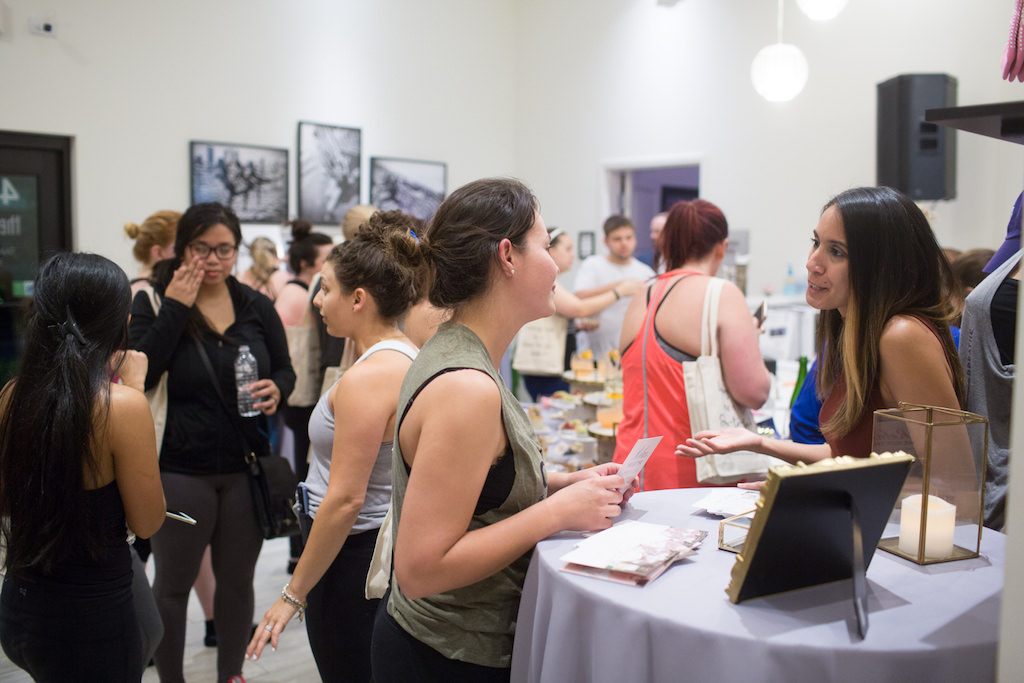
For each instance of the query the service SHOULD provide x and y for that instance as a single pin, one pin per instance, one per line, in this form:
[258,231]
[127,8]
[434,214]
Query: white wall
[133,82]
[549,91]
[611,80]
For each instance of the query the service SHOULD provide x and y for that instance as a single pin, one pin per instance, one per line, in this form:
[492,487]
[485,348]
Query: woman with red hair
[661,330]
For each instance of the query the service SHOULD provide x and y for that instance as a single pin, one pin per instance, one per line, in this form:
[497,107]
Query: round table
[926,623]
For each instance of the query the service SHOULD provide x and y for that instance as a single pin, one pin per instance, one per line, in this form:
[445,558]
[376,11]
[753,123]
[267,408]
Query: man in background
[657,225]
[602,273]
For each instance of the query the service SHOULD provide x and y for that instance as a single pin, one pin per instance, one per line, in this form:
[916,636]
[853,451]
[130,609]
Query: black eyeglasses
[223,251]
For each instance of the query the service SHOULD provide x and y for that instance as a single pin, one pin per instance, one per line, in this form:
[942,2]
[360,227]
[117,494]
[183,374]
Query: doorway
[641,191]
[35,222]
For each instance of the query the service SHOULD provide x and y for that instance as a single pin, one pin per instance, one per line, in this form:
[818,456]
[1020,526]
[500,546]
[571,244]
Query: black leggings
[58,639]
[339,619]
[400,658]
[225,520]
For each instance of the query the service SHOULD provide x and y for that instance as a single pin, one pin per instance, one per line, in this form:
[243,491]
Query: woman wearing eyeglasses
[204,310]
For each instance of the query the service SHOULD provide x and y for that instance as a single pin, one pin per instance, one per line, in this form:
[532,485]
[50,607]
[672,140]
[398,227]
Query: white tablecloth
[926,623]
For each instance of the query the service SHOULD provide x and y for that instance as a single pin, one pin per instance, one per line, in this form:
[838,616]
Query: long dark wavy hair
[895,268]
[54,407]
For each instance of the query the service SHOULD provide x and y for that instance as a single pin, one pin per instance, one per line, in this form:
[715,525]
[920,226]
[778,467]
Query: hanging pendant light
[779,71]
[821,10]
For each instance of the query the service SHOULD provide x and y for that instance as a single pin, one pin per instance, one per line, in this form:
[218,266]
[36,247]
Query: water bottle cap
[243,348]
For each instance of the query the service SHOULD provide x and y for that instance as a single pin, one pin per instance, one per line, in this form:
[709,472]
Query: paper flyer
[637,458]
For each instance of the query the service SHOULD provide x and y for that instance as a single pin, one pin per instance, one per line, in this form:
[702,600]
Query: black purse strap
[247,453]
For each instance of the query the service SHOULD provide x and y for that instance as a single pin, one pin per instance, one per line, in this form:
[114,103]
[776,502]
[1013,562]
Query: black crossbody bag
[271,479]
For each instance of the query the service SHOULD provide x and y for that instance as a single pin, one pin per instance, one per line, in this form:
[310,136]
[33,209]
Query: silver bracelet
[293,601]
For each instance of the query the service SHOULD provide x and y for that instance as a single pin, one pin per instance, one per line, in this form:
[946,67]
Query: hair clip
[68,328]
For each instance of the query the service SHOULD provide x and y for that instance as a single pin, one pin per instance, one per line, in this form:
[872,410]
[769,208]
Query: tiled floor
[291,663]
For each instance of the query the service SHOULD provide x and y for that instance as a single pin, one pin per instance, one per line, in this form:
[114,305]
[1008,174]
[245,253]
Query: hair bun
[131,229]
[301,229]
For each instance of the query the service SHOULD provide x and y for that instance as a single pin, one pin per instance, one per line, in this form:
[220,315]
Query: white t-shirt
[598,271]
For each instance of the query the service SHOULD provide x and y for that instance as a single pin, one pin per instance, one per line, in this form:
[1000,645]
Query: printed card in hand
[636,459]
[632,552]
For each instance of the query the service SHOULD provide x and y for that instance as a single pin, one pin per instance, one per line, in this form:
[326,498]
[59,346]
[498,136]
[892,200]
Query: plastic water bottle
[791,286]
[245,374]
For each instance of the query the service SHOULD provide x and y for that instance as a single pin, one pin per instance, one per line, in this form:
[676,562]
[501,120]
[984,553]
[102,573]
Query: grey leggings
[146,611]
[222,507]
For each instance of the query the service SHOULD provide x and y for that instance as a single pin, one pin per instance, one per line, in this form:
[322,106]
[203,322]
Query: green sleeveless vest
[475,623]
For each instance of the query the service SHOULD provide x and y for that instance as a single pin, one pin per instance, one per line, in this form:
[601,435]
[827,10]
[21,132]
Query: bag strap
[247,452]
[648,328]
[709,318]
[154,298]
[213,377]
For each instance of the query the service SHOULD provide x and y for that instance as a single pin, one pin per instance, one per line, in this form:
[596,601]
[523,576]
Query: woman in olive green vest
[470,495]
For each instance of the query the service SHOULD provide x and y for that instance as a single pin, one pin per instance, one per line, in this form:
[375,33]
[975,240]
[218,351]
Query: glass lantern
[939,513]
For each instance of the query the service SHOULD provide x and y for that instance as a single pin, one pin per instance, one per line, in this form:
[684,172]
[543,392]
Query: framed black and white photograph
[587,245]
[252,180]
[415,187]
[330,160]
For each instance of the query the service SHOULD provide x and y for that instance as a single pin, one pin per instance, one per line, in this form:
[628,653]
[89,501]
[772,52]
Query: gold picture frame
[808,518]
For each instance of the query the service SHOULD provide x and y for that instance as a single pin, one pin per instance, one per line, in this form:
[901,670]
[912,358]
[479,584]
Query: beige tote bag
[540,347]
[157,396]
[711,406]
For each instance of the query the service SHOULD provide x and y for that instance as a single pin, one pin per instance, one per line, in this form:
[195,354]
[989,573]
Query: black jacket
[198,437]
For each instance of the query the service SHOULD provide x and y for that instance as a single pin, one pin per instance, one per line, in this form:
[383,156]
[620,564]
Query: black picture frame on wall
[414,186]
[588,245]
[330,171]
[251,179]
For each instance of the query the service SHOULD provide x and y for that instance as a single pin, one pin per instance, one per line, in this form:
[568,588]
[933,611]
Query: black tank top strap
[500,478]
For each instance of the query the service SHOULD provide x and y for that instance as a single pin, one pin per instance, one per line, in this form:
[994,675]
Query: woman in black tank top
[66,610]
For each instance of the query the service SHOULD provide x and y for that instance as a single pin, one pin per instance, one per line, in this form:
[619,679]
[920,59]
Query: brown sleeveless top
[857,442]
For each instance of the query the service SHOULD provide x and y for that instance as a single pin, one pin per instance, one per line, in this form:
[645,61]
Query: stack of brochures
[632,552]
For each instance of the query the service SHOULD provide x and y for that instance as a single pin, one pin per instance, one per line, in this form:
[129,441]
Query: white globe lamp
[821,10]
[779,72]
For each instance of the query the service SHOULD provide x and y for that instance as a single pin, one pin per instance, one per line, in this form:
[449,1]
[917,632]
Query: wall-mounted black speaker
[915,156]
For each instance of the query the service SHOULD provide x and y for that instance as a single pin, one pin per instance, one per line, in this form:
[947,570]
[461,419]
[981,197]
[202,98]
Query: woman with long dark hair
[367,286]
[77,463]
[205,315]
[876,274]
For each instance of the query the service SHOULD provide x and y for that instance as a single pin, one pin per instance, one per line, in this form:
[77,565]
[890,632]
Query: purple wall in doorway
[649,187]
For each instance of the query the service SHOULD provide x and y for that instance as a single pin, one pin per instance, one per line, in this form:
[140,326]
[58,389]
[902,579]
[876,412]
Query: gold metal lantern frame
[939,513]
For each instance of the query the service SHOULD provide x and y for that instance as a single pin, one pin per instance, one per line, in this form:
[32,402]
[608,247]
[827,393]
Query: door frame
[60,144]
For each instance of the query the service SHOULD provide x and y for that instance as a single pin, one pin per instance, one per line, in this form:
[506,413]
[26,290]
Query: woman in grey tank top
[470,496]
[367,285]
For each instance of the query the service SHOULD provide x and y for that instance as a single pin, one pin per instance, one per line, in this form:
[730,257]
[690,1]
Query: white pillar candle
[938,542]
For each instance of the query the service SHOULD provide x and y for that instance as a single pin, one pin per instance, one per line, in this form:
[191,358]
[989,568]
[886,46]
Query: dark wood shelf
[1003,120]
